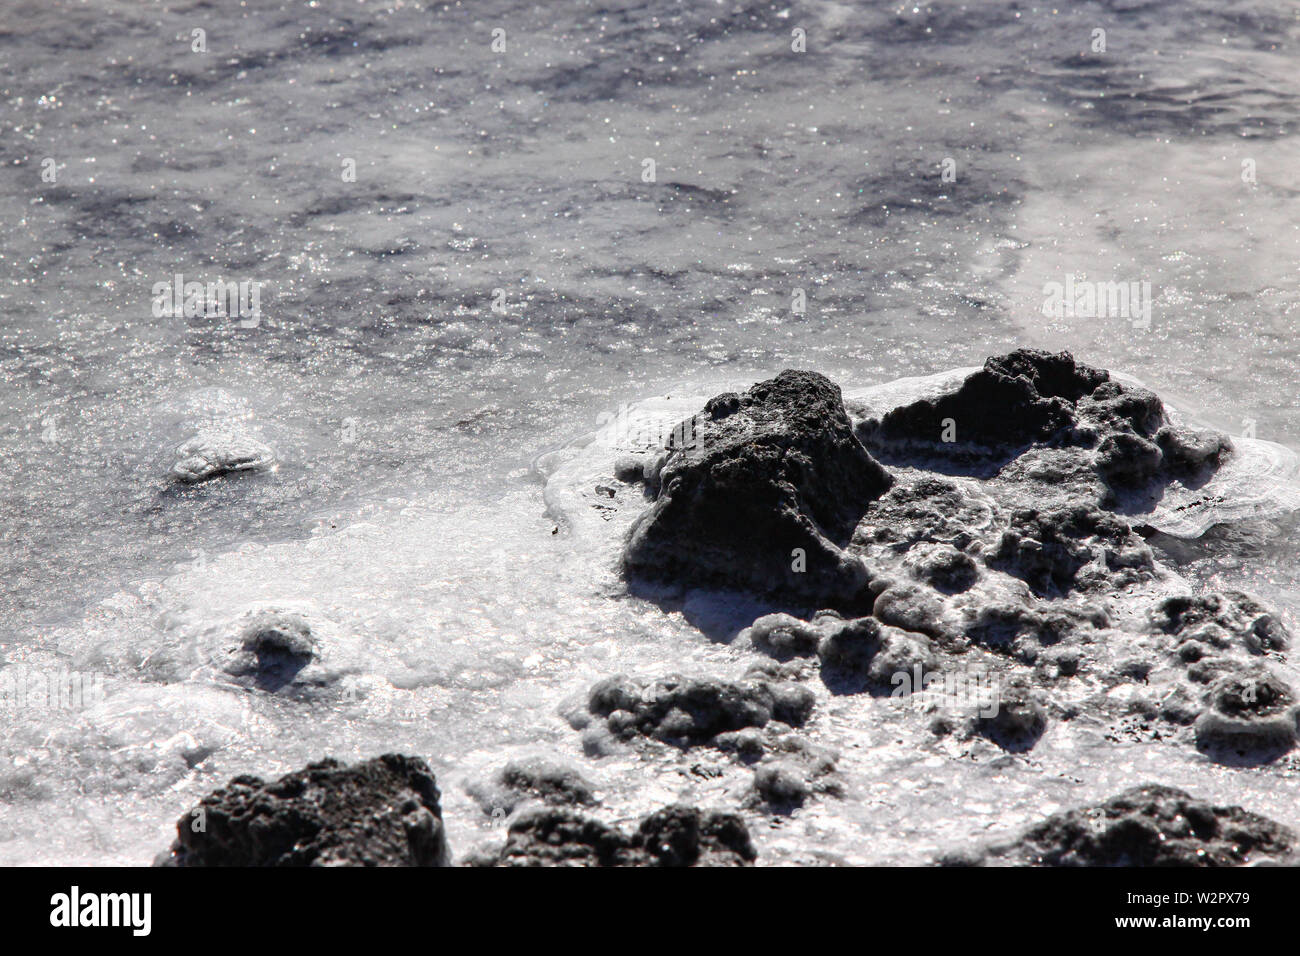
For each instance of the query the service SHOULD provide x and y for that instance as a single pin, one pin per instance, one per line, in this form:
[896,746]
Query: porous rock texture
[675,836]
[383,812]
[756,483]
[753,720]
[689,711]
[1144,826]
[532,780]
[998,541]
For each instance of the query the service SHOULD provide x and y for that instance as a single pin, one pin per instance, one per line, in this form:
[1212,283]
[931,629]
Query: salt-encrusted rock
[1010,538]
[1030,397]
[1049,548]
[1145,826]
[212,454]
[690,711]
[793,771]
[923,509]
[272,647]
[1221,617]
[521,781]
[781,785]
[677,836]
[383,812]
[761,492]
[1017,718]
[943,567]
[865,648]
[1248,711]
[1016,399]
[785,636]
[911,606]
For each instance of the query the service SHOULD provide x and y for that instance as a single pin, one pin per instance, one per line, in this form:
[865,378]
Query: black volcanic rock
[1031,397]
[1018,398]
[677,836]
[760,493]
[1016,548]
[1145,826]
[1047,548]
[383,812]
[687,712]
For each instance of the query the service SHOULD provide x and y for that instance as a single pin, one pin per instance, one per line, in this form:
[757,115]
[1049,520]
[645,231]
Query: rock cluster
[383,812]
[985,530]
[757,485]
[687,711]
[676,836]
[1145,826]
[995,539]
[386,812]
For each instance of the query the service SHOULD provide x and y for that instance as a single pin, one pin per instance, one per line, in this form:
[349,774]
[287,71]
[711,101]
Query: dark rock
[945,568]
[1016,399]
[1127,459]
[676,836]
[1200,617]
[781,785]
[921,509]
[1145,826]
[785,636]
[687,712]
[911,607]
[1047,548]
[383,812]
[273,646]
[793,771]
[551,782]
[1035,398]
[1005,550]
[532,779]
[1018,718]
[1192,451]
[774,480]
[863,648]
[1248,712]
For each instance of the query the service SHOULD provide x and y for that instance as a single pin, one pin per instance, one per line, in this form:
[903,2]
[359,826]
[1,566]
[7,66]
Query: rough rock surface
[534,779]
[1000,543]
[690,711]
[213,454]
[760,485]
[674,836]
[272,648]
[752,720]
[383,812]
[1029,397]
[1145,826]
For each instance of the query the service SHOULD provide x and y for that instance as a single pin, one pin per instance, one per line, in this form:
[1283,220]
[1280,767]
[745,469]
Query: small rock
[1145,826]
[383,812]
[212,454]
[677,836]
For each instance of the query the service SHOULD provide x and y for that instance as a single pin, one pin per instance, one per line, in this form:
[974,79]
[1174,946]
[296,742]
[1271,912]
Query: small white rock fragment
[210,455]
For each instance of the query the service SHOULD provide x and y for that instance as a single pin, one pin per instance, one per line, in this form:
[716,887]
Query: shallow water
[405,411]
